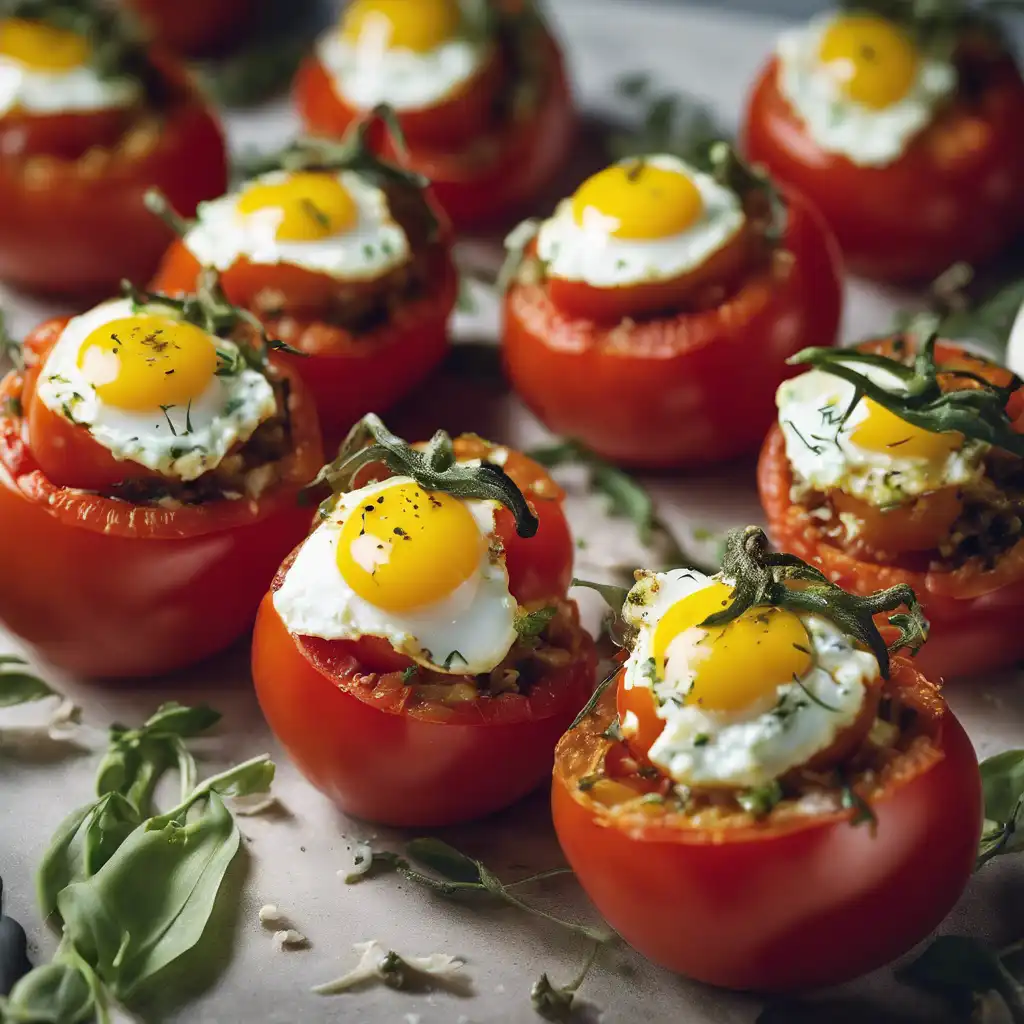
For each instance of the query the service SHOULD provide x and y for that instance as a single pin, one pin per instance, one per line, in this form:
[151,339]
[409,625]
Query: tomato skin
[391,766]
[77,226]
[682,391]
[486,181]
[950,197]
[102,588]
[348,375]
[193,26]
[776,909]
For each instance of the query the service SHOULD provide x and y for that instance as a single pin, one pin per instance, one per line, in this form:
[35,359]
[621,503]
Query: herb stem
[539,877]
[582,930]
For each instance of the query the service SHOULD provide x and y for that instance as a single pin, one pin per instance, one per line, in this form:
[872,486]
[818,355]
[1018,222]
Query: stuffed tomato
[417,656]
[150,471]
[343,257]
[768,801]
[920,481]
[905,134]
[479,89]
[651,317]
[89,120]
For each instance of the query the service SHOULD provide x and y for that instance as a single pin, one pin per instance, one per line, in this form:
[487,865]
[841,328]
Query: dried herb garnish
[434,469]
[978,413]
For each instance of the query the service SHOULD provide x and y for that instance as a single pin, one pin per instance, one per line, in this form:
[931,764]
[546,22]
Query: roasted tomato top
[909,152]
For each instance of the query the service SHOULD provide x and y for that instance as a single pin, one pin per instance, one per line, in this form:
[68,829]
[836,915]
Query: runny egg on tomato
[643,220]
[861,84]
[49,70]
[872,454]
[328,222]
[737,705]
[153,388]
[410,54]
[423,570]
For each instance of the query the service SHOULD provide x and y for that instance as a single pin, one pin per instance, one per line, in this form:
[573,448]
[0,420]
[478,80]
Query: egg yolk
[312,205]
[731,666]
[42,47]
[883,431]
[645,201]
[417,25]
[874,61]
[405,547]
[140,363]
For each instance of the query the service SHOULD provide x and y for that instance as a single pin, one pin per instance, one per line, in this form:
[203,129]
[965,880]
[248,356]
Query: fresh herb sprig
[763,579]
[1002,780]
[9,347]
[978,413]
[434,469]
[18,685]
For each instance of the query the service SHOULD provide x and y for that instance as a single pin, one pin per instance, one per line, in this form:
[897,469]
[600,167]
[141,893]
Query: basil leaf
[445,860]
[530,625]
[173,719]
[1002,781]
[130,928]
[57,993]
[18,687]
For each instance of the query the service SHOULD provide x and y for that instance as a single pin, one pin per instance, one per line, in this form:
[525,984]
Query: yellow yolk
[141,363]
[41,46]
[731,666]
[646,201]
[417,25]
[405,547]
[883,431]
[874,61]
[313,206]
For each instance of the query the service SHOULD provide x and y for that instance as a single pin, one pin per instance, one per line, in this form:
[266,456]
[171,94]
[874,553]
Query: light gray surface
[292,860]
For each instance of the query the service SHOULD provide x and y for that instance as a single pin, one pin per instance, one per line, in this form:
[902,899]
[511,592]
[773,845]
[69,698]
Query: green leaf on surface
[448,862]
[18,686]
[1002,780]
[55,993]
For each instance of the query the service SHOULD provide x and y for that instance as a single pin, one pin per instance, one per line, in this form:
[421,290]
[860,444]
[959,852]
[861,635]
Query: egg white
[1015,346]
[753,746]
[823,456]
[866,137]
[372,247]
[370,72]
[477,620]
[76,90]
[591,254]
[226,414]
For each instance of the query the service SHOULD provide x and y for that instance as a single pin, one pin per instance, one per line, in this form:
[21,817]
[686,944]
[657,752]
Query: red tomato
[72,219]
[787,903]
[684,390]
[951,196]
[194,26]
[347,374]
[489,176]
[356,731]
[102,587]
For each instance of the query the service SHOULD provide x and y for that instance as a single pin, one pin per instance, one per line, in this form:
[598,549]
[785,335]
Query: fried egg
[861,85]
[1015,346]
[154,389]
[411,54]
[875,456]
[46,70]
[641,220]
[326,222]
[419,569]
[742,703]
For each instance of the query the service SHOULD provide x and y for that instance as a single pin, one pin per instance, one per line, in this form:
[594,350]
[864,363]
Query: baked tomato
[193,26]
[139,574]
[804,896]
[408,742]
[679,371]
[957,544]
[490,144]
[72,218]
[364,296]
[946,195]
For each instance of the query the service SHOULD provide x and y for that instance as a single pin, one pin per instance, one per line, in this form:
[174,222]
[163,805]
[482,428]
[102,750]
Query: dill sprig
[978,413]
[434,469]
[765,578]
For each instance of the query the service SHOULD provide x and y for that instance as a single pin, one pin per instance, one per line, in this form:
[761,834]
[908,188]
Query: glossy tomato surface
[72,219]
[684,390]
[480,182]
[194,26]
[807,902]
[105,588]
[347,374]
[352,726]
[951,196]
